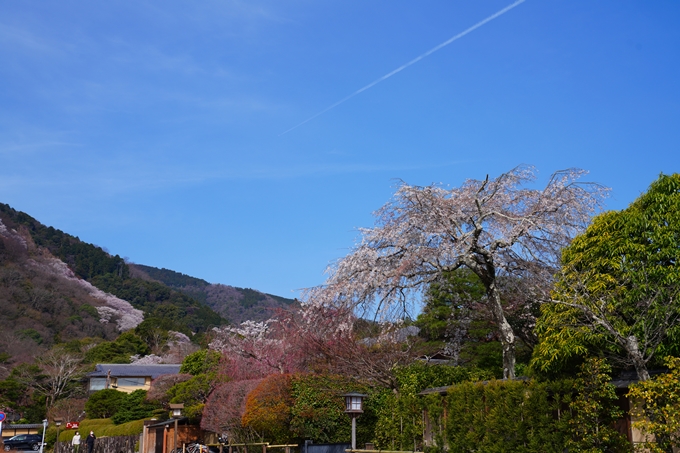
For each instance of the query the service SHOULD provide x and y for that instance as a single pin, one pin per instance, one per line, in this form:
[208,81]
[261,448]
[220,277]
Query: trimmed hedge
[102,427]
[504,416]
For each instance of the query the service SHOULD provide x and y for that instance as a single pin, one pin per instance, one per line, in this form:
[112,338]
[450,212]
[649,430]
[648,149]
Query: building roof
[118,370]
[23,426]
[627,378]
[154,424]
[623,381]
[444,390]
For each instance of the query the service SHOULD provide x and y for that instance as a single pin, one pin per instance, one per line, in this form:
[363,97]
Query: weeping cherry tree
[504,232]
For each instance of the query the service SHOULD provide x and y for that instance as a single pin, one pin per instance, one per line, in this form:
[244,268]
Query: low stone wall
[116,444]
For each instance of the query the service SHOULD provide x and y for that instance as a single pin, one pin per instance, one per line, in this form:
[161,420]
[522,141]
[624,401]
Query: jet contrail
[415,60]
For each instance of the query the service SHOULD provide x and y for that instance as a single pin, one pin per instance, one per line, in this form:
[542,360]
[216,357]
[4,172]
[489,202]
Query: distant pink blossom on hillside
[6,232]
[126,316]
[151,359]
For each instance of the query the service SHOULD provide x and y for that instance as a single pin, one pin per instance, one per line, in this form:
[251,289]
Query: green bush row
[102,427]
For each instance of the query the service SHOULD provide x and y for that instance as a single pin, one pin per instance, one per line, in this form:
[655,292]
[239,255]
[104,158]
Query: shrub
[268,409]
[507,417]
[199,362]
[134,406]
[104,403]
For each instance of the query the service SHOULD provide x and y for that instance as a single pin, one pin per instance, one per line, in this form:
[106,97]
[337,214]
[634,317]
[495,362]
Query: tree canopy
[494,227]
[618,289]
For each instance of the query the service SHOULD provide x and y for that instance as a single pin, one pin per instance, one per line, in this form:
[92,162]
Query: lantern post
[57,423]
[176,413]
[354,406]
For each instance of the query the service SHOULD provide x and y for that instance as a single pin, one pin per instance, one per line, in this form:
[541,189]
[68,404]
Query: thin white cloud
[24,148]
[406,65]
[19,38]
[128,177]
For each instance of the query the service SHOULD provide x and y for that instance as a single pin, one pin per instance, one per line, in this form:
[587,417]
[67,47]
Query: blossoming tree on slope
[505,233]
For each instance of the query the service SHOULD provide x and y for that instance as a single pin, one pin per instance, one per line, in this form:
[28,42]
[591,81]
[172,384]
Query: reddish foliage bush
[226,405]
[268,408]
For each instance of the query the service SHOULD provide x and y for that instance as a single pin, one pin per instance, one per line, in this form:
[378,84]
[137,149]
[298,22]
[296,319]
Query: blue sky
[156,129]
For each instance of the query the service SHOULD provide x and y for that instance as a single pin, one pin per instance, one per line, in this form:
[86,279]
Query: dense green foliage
[449,303]
[16,395]
[201,361]
[318,409]
[158,301]
[104,403]
[86,260]
[523,416]
[504,417]
[117,351]
[399,414]
[172,278]
[134,406]
[618,288]
[658,408]
[455,320]
[595,410]
[193,394]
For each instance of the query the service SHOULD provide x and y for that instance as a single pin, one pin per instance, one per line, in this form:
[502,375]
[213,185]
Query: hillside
[55,288]
[235,304]
[42,302]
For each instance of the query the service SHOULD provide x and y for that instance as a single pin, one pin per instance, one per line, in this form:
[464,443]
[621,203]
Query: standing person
[90,442]
[76,443]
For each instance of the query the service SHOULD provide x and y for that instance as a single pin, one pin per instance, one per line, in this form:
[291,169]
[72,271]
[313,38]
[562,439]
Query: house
[159,436]
[9,430]
[127,377]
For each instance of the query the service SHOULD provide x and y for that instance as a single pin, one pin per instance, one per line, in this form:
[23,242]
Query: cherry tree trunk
[505,332]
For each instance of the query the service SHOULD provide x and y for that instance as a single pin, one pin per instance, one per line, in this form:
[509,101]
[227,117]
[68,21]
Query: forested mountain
[235,304]
[55,288]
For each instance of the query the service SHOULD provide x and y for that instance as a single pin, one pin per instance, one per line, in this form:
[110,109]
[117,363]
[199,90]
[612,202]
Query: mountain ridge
[55,287]
[234,303]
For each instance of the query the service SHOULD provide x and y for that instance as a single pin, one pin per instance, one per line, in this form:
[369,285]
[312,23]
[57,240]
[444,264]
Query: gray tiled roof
[24,426]
[118,370]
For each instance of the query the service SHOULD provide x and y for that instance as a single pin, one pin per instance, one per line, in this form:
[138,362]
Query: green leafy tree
[193,393]
[118,351]
[657,409]
[594,411]
[456,322]
[104,403]
[134,406]
[450,308]
[201,361]
[318,410]
[16,396]
[618,290]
